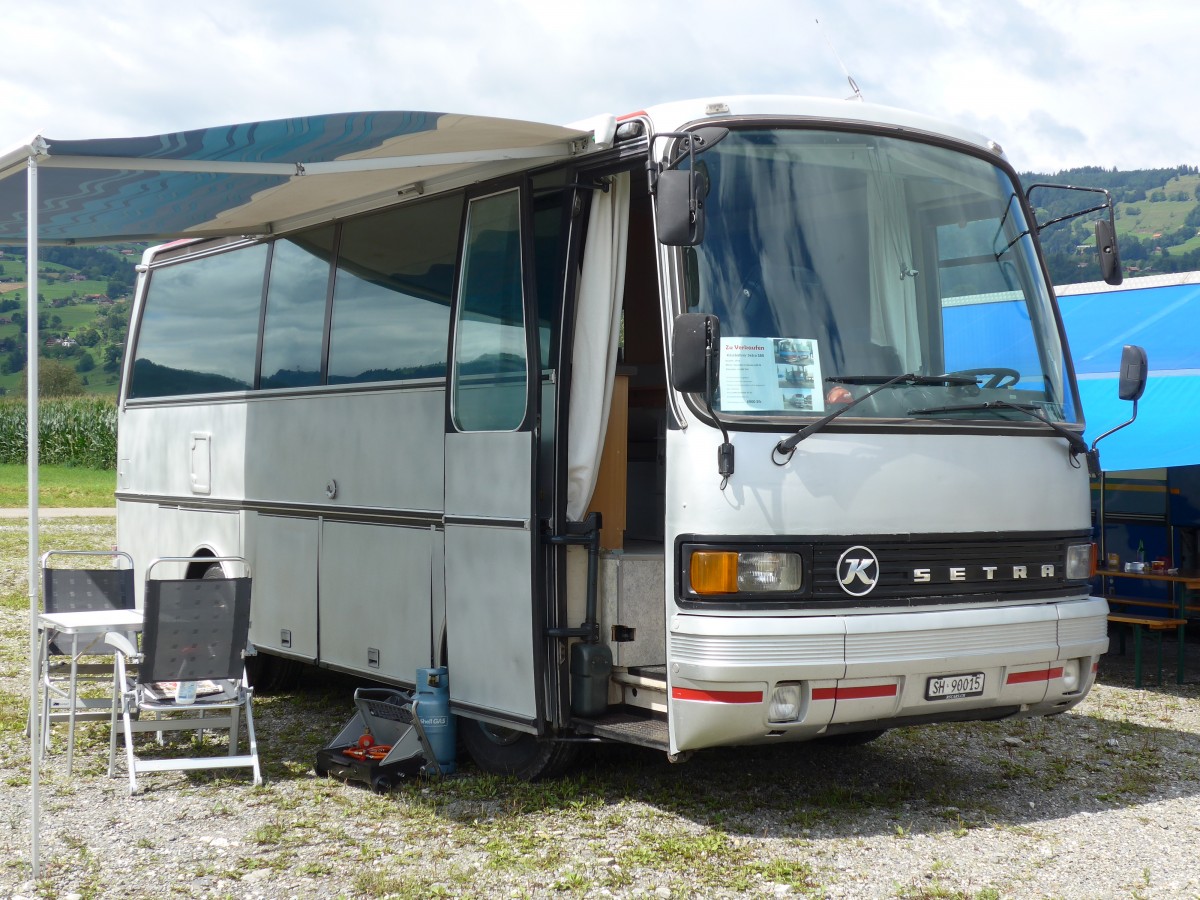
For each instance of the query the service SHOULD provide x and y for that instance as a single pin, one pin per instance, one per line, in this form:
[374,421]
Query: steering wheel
[1000,376]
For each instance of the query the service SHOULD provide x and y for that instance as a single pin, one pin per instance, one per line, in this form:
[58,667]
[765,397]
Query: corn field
[73,431]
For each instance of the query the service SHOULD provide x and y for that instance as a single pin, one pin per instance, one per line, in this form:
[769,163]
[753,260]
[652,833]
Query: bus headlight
[1079,562]
[754,572]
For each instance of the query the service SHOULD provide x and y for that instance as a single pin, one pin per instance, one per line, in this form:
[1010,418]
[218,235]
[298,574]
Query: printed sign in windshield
[770,375]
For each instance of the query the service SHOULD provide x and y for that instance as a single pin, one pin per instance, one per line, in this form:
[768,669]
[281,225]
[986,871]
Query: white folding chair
[71,590]
[194,634]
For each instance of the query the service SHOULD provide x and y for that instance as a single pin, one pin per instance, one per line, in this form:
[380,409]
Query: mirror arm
[1107,204]
[725,451]
[1115,430]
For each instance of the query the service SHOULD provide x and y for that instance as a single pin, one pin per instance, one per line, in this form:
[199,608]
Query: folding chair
[72,590]
[194,635]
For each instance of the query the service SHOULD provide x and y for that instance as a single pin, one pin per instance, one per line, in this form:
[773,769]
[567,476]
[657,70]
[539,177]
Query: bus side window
[295,318]
[489,386]
[391,296]
[199,330]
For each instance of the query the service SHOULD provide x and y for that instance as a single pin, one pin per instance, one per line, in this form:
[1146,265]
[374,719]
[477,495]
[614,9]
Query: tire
[852,738]
[267,674]
[273,674]
[381,784]
[503,751]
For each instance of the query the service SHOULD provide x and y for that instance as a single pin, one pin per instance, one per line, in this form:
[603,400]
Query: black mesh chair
[72,590]
[191,671]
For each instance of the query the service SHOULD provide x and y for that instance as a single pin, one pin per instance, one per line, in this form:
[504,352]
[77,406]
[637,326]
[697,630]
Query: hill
[1157,214]
[85,294]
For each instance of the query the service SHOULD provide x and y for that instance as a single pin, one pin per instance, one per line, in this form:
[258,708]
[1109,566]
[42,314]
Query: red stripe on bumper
[865,692]
[1039,675]
[716,696]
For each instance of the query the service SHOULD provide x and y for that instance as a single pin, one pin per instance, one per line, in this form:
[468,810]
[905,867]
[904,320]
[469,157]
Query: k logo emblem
[858,571]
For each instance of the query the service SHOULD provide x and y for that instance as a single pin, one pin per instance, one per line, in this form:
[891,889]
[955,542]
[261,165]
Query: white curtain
[893,275]
[597,333]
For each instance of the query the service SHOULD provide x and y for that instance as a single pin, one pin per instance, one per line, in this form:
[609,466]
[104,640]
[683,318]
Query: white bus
[800,356]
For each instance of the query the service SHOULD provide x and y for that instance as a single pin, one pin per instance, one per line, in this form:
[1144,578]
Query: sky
[1057,83]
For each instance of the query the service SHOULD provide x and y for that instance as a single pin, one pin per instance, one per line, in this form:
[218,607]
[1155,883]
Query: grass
[58,486]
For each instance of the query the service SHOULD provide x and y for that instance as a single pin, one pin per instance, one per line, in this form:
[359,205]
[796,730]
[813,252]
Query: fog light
[1079,562]
[785,703]
[1070,674]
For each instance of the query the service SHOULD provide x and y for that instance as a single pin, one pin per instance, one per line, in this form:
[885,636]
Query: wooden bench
[1158,624]
[1151,604]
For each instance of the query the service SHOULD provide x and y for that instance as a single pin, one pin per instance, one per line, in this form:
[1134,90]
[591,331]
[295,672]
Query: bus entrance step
[627,729]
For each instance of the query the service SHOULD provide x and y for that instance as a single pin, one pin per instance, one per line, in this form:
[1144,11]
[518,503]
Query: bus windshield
[837,260]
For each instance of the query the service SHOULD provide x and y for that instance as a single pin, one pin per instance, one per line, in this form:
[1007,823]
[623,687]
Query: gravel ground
[1099,802]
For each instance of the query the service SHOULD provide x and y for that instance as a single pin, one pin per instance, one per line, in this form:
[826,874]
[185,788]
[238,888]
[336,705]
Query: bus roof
[673,116]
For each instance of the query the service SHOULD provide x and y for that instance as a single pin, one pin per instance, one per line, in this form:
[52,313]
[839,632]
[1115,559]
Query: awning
[252,179]
[262,177]
[1162,314]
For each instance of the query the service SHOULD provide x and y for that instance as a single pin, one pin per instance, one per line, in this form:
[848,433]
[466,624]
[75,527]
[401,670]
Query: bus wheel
[504,751]
[272,674]
[267,674]
[852,738]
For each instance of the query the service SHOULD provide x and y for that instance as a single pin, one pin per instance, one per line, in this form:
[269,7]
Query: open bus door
[490,519]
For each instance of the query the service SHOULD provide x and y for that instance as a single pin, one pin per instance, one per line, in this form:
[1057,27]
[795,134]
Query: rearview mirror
[1110,258]
[680,193]
[680,215]
[694,339]
[1132,382]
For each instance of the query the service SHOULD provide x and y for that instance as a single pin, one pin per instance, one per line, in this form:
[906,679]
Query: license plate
[954,687]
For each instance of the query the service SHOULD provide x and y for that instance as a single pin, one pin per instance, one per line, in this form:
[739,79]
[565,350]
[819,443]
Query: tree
[86,363]
[13,362]
[55,379]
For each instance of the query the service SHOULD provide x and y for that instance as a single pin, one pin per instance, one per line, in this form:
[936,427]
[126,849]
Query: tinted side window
[549,244]
[489,392]
[199,329]
[391,299]
[295,318]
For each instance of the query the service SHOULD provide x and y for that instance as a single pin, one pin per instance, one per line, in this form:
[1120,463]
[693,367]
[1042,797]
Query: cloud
[1057,82]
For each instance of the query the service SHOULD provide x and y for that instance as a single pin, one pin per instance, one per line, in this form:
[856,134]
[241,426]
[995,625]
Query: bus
[752,422]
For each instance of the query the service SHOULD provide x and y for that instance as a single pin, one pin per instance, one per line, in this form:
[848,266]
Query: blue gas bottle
[433,709]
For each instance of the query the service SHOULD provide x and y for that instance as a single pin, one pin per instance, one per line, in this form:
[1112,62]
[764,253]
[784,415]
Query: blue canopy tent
[256,178]
[1161,313]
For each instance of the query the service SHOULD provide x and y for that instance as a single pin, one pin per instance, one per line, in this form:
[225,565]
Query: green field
[58,486]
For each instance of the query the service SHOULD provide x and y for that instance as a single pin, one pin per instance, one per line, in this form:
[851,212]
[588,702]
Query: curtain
[597,333]
[893,275]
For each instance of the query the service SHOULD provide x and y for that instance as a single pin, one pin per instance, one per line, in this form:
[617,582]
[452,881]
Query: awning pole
[31,463]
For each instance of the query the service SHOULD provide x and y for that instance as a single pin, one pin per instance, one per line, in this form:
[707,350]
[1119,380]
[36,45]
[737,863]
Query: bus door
[490,456]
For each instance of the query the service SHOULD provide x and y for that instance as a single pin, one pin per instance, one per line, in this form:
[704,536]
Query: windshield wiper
[787,446]
[883,380]
[1075,442]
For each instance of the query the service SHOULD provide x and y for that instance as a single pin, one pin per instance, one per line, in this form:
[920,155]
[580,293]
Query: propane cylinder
[433,709]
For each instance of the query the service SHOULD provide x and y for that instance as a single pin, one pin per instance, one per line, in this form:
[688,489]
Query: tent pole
[31,462]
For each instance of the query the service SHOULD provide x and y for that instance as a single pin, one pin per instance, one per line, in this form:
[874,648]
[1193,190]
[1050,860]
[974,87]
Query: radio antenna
[858,95]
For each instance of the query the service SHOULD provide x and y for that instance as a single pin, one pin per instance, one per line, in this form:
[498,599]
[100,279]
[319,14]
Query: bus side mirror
[695,341]
[679,217]
[1110,259]
[1132,382]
